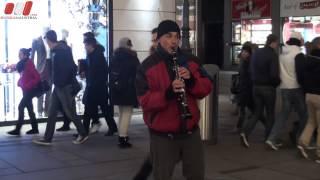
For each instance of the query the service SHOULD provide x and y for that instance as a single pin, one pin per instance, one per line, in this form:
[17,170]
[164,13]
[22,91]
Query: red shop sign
[251,9]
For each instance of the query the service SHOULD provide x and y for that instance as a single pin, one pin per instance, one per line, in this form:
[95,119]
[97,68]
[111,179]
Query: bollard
[209,108]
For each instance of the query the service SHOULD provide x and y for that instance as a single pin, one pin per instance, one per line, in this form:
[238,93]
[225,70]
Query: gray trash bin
[209,108]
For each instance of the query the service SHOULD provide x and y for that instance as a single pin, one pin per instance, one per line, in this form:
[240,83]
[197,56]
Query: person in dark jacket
[308,71]
[172,138]
[65,84]
[66,121]
[123,72]
[96,90]
[265,77]
[245,84]
[29,81]
[109,114]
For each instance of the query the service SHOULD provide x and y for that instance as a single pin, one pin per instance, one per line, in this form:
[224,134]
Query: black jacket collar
[315,53]
[164,54]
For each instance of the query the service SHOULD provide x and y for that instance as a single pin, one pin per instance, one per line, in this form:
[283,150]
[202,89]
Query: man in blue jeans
[291,93]
[64,77]
[265,78]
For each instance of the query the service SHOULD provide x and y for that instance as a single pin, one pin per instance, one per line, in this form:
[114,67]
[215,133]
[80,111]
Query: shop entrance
[255,31]
[308,26]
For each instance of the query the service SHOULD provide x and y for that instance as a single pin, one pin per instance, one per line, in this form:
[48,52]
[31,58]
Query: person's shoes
[95,128]
[42,142]
[303,151]
[64,128]
[317,160]
[278,144]
[75,135]
[311,148]
[244,140]
[124,143]
[14,132]
[32,131]
[111,132]
[80,139]
[271,145]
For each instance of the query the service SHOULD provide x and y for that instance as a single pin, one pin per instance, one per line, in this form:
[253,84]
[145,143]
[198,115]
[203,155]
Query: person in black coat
[308,70]
[110,110]
[245,84]
[96,90]
[122,77]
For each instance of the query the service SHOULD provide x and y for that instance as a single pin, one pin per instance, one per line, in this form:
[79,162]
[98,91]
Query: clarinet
[181,96]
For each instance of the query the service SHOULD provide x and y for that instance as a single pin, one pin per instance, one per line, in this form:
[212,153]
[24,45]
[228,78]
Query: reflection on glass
[10,96]
[70,19]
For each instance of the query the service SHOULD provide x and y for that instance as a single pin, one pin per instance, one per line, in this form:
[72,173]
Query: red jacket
[153,81]
[29,77]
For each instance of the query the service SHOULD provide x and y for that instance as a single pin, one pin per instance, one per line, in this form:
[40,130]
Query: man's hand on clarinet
[184,73]
[178,85]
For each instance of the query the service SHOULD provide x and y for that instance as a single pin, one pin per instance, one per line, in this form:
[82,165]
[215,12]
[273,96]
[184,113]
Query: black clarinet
[181,96]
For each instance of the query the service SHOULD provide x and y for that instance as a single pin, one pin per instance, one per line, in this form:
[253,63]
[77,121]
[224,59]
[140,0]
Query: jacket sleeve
[274,71]
[201,85]
[73,64]
[299,67]
[99,71]
[149,99]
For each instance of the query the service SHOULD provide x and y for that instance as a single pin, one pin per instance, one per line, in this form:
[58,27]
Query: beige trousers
[313,123]
[125,113]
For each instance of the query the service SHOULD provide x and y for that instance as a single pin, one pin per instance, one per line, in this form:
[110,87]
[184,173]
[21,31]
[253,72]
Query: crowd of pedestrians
[57,71]
[295,74]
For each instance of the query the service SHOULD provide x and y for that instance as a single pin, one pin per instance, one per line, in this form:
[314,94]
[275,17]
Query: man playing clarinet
[169,83]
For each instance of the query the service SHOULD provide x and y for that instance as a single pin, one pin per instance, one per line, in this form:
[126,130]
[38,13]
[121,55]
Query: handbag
[42,87]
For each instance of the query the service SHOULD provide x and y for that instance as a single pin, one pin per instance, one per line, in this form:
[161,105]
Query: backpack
[42,87]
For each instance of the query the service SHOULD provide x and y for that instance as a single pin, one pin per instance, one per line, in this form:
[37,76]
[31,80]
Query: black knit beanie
[167,26]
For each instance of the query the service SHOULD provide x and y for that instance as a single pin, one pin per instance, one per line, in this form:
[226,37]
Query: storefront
[251,21]
[300,16]
[69,18]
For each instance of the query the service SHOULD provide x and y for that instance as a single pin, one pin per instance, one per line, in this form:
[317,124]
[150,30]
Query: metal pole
[185,27]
